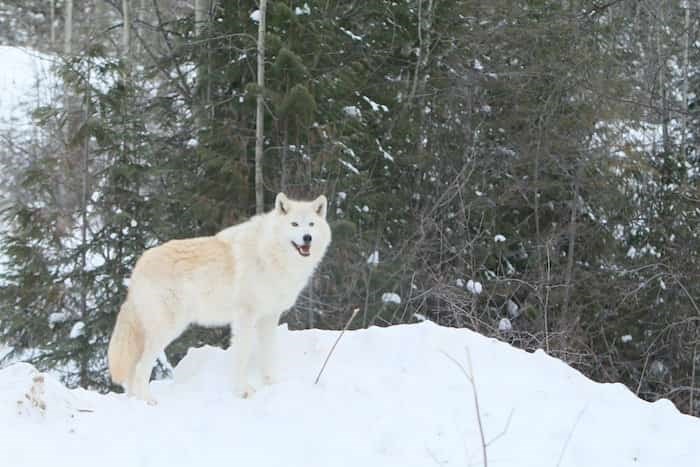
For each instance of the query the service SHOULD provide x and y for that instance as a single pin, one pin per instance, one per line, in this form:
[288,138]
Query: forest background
[528,169]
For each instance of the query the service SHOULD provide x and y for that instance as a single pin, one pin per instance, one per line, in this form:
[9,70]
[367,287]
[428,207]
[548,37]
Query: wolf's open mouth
[304,250]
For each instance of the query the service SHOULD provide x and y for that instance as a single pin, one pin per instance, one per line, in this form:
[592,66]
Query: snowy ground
[389,397]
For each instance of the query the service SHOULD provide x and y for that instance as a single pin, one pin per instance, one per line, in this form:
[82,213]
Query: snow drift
[389,396]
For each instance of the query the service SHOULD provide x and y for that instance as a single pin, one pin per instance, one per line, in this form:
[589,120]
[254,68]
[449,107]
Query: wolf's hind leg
[139,385]
[155,343]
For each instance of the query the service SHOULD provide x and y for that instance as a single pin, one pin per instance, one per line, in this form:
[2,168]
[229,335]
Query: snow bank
[388,397]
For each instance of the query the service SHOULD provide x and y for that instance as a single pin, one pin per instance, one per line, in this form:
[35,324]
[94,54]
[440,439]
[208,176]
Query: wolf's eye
[295,224]
[311,224]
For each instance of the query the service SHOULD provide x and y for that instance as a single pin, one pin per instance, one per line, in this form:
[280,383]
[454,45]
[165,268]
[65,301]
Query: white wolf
[245,275]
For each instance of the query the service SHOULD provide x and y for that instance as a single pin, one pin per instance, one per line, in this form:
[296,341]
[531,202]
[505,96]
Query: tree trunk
[259,120]
[662,84]
[684,107]
[285,153]
[52,13]
[572,243]
[127,29]
[66,194]
[200,13]
[202,97]
[68,34]
[84,360]
[425,25]
[142,19]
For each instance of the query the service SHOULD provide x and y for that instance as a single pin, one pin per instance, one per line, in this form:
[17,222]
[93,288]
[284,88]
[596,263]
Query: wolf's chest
[275,291]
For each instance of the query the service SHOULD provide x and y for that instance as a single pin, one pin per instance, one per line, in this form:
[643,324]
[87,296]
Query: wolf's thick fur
[246,276]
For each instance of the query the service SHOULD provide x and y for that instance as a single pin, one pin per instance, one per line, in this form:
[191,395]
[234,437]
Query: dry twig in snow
[330,352]
[472,381]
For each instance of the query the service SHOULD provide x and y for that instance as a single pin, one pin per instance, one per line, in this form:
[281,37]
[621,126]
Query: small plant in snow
[34,398]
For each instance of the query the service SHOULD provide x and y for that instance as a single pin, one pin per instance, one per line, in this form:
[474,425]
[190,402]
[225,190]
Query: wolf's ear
[281,203]
[321,206]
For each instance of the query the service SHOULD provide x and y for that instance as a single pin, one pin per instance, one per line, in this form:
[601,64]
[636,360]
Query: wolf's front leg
[241,344]
[267,340]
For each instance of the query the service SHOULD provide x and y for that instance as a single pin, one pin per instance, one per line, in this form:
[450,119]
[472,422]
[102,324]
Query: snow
[373,259]
[388,397]
[305,10]
[391,297]
[504,325]
[646,250]
[4,350]
[77,330]
[27,81]
[474,287]
[617,135]
[385,154]
[351,35]
[619,232]
[352,111]
[57,317]
[513,309]
[349,166]
[375,107]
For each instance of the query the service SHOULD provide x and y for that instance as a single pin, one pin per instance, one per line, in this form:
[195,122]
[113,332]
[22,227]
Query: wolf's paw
[151,401]
[147,398]
[269,380]
[143,395]
[246,392]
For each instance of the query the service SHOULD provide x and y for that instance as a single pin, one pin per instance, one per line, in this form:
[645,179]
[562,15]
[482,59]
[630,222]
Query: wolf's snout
[305,248]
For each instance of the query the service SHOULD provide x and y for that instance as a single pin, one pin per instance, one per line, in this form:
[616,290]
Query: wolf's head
[302,226]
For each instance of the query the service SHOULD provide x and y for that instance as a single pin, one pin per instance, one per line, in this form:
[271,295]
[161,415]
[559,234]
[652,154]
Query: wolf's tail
[126,345]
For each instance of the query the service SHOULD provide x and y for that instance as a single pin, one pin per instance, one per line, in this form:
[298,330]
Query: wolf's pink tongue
[305,248]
